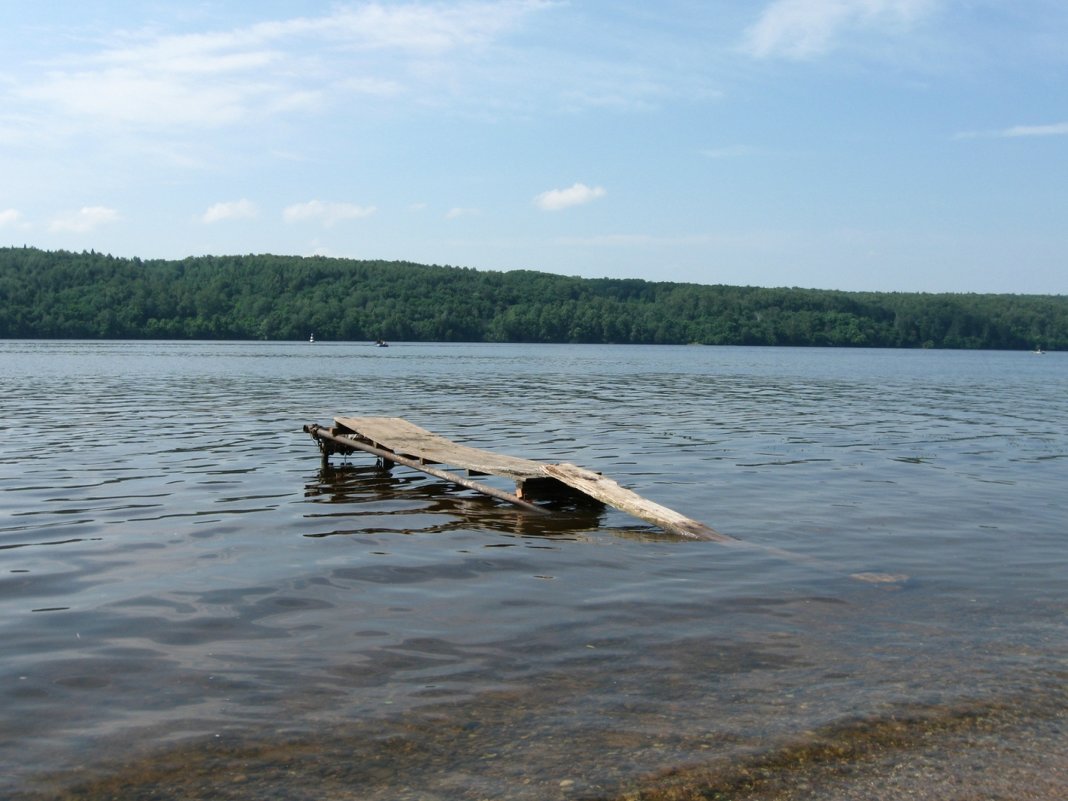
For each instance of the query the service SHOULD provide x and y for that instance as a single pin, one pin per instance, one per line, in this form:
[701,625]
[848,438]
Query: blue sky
[894,145]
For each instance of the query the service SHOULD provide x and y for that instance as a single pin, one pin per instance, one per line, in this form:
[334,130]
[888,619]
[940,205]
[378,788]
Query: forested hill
[46,294]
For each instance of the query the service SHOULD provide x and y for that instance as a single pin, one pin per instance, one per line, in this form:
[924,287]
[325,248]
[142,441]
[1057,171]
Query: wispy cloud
[802,29]
[87,218]
[427,28]
[326,213]
[379,87]
[456,212]
[10,217]
[220,78]
[124,98]
[232,210]
[1016,131]
[575,195]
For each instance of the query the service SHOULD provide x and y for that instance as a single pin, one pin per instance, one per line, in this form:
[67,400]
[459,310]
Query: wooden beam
[321,433]
[400,436]
[394,439]
[609,492]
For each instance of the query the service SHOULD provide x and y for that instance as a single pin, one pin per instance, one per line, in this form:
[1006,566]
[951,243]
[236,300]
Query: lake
[192,607]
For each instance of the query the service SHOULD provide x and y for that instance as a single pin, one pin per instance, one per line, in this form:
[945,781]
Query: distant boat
[1039,350]
[381,343]
[311,337]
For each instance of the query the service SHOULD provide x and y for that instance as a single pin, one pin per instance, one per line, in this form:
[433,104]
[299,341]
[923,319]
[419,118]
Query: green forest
[88,295]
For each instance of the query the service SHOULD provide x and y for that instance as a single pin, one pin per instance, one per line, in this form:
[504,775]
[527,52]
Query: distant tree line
[88,295]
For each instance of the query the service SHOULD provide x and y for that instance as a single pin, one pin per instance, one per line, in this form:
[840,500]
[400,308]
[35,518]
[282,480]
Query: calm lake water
[190,607]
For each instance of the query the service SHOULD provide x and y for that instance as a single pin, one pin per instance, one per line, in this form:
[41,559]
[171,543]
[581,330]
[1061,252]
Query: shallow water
[191,607]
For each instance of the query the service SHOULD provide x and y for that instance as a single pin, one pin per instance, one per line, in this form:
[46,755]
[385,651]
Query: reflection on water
[192,607]
[364,494]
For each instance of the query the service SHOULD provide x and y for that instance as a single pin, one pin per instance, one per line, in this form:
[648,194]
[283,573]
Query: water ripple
[189,600]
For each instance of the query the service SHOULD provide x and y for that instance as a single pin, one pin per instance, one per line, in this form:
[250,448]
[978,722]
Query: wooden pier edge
[610,492]
[394,439]
[349,443]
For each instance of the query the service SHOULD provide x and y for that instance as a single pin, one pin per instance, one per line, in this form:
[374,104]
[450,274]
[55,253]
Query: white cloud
[125,97]
[456,212]
[85,219]
[1057,129]
[429,28]
[372,86]
[10,217]
[327,213]
[575,195]
[801,29]
[220,78]
[234,210]
[1054,129]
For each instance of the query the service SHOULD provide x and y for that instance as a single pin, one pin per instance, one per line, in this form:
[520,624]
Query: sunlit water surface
[191,607]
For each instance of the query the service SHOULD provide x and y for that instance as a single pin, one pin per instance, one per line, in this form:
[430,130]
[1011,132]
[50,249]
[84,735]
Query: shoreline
[1015,749]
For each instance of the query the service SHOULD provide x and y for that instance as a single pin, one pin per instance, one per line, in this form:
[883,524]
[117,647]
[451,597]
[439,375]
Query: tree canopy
[61,294]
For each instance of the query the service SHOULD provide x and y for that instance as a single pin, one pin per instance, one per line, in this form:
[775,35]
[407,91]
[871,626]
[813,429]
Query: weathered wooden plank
[352,442]
[396,439]
[400,436]
[610,492]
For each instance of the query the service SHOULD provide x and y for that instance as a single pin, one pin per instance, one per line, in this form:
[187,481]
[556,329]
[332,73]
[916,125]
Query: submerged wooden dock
[395,440]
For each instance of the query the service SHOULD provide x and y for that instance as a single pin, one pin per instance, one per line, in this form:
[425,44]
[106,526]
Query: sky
[861,145]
